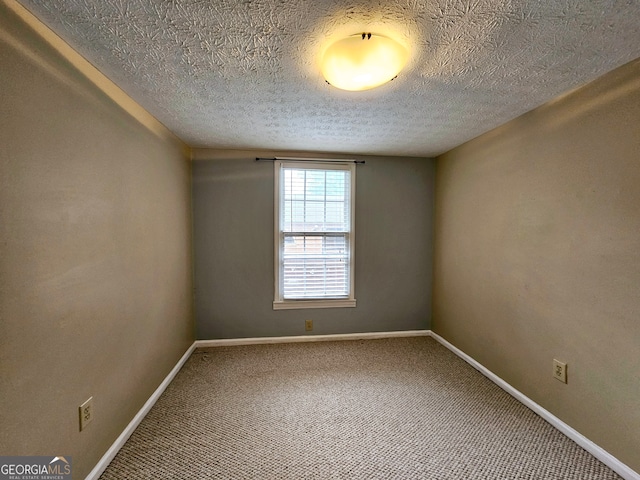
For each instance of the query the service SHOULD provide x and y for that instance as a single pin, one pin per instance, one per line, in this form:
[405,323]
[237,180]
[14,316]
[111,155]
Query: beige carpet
[372,409]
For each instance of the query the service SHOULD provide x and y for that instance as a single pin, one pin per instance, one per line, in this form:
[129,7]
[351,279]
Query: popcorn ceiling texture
[245,74]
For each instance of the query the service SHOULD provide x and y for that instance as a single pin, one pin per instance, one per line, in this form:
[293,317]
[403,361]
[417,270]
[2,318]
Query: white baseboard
[310,338]
[124,436]
[605,457]
[106,459]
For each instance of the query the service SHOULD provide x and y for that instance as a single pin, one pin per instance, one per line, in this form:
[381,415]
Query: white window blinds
[315,231]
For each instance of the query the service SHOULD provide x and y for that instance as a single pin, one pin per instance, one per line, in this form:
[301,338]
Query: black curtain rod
[357,162]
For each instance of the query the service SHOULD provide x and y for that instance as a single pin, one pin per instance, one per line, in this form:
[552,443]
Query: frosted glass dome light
[364,61]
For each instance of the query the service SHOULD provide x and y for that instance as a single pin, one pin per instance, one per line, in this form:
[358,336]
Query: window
[314,234]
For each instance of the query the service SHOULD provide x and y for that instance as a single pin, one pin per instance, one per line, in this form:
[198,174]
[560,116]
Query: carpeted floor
[404,408]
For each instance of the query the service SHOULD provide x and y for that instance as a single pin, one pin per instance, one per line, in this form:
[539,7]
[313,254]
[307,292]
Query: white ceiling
[244,74]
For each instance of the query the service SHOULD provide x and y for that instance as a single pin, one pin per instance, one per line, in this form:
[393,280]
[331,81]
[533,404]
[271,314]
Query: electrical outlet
[560,370]
[308,325]
[86,413]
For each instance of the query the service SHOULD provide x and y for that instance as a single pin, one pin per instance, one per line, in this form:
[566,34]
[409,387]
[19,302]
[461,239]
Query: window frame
[280,303]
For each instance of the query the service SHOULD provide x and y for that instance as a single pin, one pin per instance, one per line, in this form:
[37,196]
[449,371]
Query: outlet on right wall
[537,256]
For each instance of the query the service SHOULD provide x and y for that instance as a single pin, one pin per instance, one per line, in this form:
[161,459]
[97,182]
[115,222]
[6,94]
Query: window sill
[302,304]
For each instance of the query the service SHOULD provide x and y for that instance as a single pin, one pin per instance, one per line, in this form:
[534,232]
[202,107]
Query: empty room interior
[489,220]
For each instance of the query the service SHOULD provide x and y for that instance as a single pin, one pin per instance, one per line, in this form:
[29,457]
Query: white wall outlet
[86,413]
[308,325]
[560,370]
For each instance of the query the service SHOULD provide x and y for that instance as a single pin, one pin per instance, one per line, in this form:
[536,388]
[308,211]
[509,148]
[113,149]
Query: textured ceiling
[244,74]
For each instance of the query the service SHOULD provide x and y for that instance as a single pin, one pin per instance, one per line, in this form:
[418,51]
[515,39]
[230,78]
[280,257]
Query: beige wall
[537,256]
[95,261]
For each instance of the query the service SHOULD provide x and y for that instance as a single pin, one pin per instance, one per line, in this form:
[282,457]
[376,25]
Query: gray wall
[538,256]
[95,262]
[233,244]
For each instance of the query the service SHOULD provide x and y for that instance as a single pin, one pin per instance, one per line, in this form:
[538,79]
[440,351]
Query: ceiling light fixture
[364,61]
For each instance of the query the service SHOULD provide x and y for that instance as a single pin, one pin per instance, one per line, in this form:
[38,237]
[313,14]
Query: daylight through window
[314,234]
